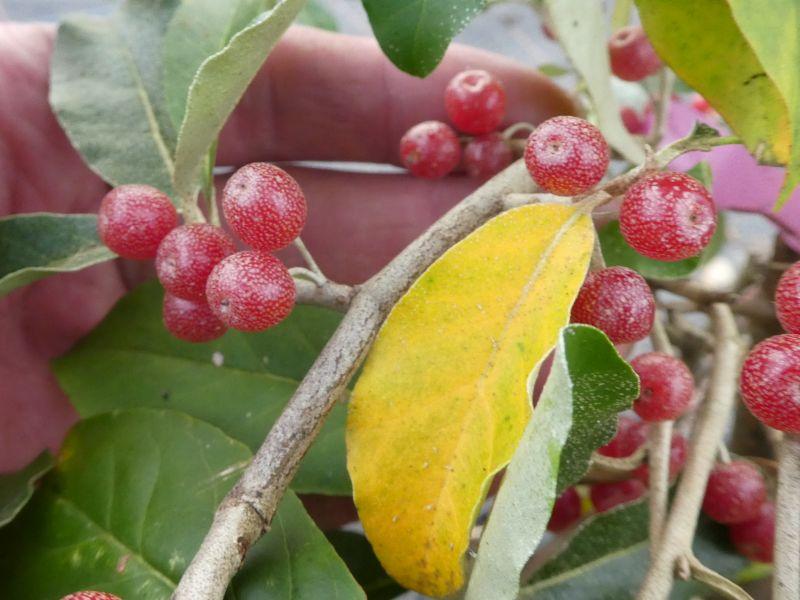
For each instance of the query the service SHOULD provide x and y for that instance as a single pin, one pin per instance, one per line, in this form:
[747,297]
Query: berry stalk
[786,581]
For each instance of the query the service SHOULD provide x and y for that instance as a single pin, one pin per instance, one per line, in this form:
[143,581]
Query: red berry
[251,291]
[608,495]
[787,299]
[633,121]
[700,104]
[264,206]
[632,56]
[754,539]
[133,219]
[566,511]
[678,451]
[734,493]
[191,321]
[548,32]
[186,256]
[631,435]
[566,155]
[667,216]
[618,301]
[430,150]
[487,155]
[91,596]
[475,102]
[770,382]
[666,386]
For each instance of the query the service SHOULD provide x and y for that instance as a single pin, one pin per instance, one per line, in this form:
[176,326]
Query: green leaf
[106,91]
[581,28]
[414,34]
[588,385]
[552,70]
[130,360]
[608,557]
[128,504]
[36,245]
[219,84]
[17,488]
[361,561]
[316,15]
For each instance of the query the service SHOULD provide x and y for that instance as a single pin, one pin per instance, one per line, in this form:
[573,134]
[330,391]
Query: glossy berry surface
[88,595]
[770,382]
[632,55]
[631,435]
[666,386]
[678,452]
[251,291]
[264,206]
[787,299]
[186,256]
[430,150]
[475,102]
[618,301]
[566,156]
[487,155]
[190,320]
[566,511]
[667,216]
[734,493]
[605,496]
[754,539]
[133,219]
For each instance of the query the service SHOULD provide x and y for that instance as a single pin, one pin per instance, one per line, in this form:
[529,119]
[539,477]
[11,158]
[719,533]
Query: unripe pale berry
[632,55]
[605,496]
[133,219]
[89,595]
[186,256]
[251,291]
[566,511]
[475,101]
[631,435]
[666,386]
[566,156]
[734,493]
[487,155]
[754,539]
[618,301]
[770,382]
[430,150]
[678,451]
[264,206]
[787,299]
[667,216]
[190,320]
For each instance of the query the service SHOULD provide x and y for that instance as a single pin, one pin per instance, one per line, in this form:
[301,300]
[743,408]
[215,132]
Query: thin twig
[661,104]
[786,580]
[328,294]
[722,585]
[307,257]
[724,455]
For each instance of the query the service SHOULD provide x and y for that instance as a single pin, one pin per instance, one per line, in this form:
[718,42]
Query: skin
[338,99]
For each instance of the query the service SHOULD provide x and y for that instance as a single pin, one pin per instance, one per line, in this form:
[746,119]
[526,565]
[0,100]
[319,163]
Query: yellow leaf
[443,398]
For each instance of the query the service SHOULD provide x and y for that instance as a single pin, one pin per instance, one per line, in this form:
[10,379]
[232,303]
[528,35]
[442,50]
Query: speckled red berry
[566,156]
[264,206]
[666,386]
[487,155]
[605,496]
[770,382]
[475,101]
[667,216]
[632,55]
[734,493]
[190,320]
[186,256]
[678,451]
[754,539]
[89,595]
[566,511]
[631,435]
[618,301]
[787,299]
[251,291]
[430,150]
[133,219]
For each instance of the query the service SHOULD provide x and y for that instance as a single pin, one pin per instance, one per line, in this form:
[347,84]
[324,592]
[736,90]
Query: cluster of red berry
[475,102]
[209,285]
[89,595]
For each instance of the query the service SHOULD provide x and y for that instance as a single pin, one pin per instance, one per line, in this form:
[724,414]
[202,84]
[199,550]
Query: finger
[325,96]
